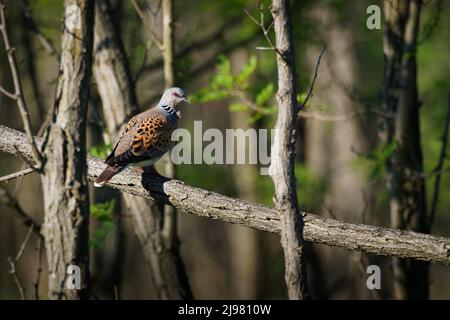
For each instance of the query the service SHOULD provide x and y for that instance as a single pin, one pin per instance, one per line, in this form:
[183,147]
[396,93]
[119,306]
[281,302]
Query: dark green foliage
[103,213]
[374,163]
[100,151]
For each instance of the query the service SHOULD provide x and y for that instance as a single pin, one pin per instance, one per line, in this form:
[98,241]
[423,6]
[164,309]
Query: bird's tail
[106,175]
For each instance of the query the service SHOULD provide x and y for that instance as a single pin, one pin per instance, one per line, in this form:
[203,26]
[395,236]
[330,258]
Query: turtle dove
[146,138]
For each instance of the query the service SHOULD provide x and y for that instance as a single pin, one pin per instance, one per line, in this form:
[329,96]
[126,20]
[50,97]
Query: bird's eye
[176,94]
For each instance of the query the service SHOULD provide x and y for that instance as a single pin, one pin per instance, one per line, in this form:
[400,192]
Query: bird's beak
[186,100]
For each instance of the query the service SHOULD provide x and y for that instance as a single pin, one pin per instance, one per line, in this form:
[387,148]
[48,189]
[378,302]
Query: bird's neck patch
[171,111]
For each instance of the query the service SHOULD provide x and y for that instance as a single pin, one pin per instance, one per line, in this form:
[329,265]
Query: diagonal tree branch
[204,203]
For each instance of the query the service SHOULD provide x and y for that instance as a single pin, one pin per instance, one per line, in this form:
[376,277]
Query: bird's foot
[150,170]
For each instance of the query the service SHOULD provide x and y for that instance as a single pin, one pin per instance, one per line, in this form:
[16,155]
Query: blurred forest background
[340,161]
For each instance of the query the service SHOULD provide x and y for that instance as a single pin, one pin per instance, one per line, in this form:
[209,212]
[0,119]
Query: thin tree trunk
[170,214]
[170,217]
[283,155]
[247,260]
[167,40]
[347,192]
[119,101]
[64,180]
[170,221]
[405,183]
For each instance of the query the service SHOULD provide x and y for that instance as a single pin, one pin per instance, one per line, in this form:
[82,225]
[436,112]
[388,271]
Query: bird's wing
[147,136]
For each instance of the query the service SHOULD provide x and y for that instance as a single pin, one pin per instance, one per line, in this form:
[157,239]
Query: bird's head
[172,97]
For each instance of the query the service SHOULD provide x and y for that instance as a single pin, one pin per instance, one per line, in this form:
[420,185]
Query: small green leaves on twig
[103,212]
[224,85]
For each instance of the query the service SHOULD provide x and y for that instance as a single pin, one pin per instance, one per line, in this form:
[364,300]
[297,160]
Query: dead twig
[145,21]
[8,200]
[328,118]
[16,174]
[46,43]
[7,93]
[266,30]
[19,96]
[439,166]
[316,72]
[39,269]
[13,263]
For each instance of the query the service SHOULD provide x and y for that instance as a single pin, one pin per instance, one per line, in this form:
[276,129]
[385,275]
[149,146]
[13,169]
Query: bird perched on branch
[146,138]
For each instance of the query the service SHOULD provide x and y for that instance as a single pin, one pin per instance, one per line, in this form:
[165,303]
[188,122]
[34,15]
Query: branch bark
[64,181]
[188,199]
[283,155]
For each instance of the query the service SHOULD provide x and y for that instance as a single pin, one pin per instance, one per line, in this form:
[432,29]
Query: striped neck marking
[169,109]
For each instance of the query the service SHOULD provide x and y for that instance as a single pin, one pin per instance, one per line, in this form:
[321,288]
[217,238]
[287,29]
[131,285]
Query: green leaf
[265,94]
[246,71]
[269,110]
[375,162]
[223,78]
[98,238]
[103,211]
[237,107]
[100,151]
[301,97]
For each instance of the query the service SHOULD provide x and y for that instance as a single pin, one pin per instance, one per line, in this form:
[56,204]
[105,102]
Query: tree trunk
[119,101]
[405,183]
[283,155]
[346,186]
[170,217]
[64,179]
[167,40]
[247,260]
